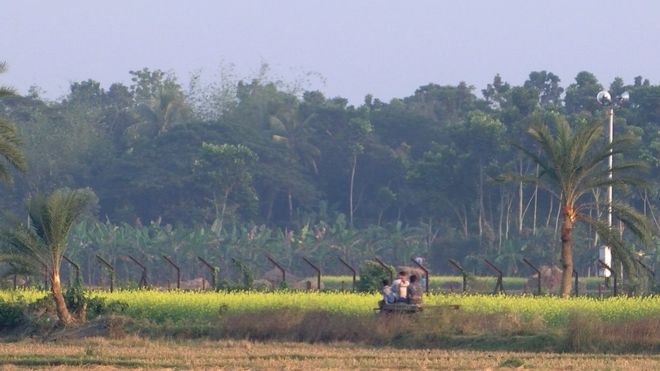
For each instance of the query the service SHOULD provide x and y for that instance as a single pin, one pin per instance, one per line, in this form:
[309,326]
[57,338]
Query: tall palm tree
[572,166]
[291,128]
[42,242]
[10,144]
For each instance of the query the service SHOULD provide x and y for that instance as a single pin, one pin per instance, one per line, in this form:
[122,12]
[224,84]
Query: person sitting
[388,296]
[415,291]
[400,287]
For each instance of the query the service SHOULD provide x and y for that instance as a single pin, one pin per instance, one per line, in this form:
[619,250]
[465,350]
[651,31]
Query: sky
[346,48]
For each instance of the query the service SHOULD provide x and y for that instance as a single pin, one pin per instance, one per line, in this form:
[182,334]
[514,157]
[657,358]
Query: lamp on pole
[605,99]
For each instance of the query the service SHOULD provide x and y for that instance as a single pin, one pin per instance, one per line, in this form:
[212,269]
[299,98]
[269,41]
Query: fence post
[426,271]
[458,266]
[387,268]
[75,266]
[111,270]
[575,273]
[538,272]
[143,276]
[351,269]
[499,286]
[613,274]
[178,271]
[276,264]
[318,273]
[214,272]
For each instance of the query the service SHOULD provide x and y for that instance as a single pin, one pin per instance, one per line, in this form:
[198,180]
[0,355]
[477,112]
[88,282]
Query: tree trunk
[536,202]
[462,218]
[466,231]
[501,221]
[290,199]
[567,251]
[224,209]
[599,213]
[645,199]
[270,202]
[559,212]
[650,209]
[60,305]
[521,195]
[431,235]
[507,224]
[550,208]
[481,198]
[350,194]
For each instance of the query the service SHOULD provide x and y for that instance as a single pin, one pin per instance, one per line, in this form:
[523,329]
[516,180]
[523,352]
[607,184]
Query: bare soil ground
[134,352]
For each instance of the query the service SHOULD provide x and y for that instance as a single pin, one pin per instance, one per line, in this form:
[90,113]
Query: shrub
[11,315]
[42,307]
[90,307]
[372,275]
[97,306]
[75,300]
[246,274]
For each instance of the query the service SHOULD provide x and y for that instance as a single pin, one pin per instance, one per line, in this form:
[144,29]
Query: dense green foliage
[239,168]
[372,275]
[11,314]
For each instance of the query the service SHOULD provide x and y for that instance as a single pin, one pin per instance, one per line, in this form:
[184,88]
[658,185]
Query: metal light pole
[605,98]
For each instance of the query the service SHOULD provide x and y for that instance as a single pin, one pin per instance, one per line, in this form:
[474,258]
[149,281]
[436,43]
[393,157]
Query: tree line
[418,175]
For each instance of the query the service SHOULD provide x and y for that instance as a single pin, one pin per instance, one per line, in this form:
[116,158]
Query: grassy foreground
[136,352]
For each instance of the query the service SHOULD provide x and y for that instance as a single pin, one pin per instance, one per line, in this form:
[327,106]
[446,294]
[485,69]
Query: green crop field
[197,305]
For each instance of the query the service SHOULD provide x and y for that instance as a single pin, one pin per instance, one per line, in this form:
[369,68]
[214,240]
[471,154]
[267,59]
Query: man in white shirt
[400,287]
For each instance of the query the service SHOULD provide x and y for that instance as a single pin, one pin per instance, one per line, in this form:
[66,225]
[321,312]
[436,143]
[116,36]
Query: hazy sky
[386,48]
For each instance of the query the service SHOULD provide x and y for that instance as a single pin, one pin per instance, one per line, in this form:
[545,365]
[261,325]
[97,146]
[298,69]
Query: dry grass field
[135,352]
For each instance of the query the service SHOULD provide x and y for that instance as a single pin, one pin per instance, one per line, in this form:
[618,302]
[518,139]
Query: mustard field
[160,306]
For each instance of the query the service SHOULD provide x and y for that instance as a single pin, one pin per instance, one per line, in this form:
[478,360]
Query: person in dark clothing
[415,291]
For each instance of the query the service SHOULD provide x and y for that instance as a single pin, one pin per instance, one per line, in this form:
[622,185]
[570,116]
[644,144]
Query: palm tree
[43,241]
[572,166]
[293,130]
[163,112]
[10,144]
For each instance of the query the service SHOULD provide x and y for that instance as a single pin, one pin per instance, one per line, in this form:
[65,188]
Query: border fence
[207,276]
